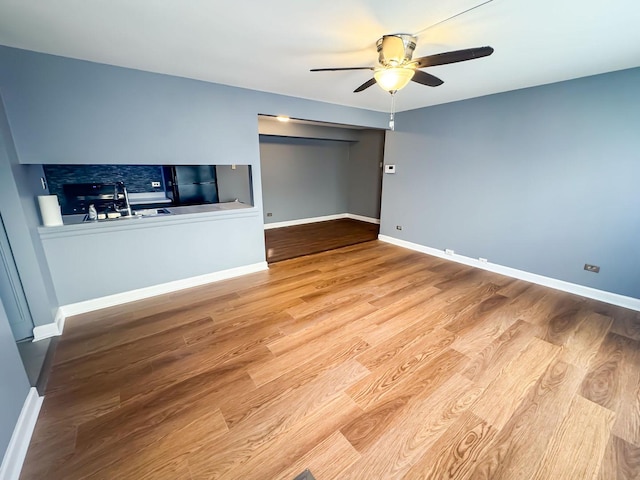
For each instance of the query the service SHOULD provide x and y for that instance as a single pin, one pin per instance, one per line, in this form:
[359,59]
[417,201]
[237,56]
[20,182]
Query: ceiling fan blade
[365,85]
[425,78]
[453,57]
[339,69]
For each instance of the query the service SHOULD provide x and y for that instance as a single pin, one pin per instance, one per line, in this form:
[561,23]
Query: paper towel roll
[50,210]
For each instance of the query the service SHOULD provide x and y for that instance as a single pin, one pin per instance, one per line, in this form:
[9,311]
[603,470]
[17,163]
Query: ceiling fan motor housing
[395,50]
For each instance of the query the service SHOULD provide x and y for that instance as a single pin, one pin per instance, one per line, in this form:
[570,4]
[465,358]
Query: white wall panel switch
[389,169]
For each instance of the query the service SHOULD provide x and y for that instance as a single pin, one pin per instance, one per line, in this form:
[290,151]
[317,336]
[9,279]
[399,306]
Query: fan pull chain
[392,122]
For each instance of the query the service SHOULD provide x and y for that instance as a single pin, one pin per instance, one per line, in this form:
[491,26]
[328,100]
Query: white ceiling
[271,45]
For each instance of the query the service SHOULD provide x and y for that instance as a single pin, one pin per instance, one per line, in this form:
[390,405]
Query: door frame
[13,298]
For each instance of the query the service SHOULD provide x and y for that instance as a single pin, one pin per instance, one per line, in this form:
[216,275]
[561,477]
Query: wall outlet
[448,251]
[398,227]
[483,260]
[155,184]
[269,214]
[591,268]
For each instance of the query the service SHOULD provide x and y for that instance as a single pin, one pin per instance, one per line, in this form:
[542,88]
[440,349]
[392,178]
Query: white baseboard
[53,329]
[363,218]
[19,443]
[601,295]
[50,329]
[326,218]
[302,221]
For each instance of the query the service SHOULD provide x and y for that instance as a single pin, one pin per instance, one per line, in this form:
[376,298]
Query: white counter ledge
[75,225]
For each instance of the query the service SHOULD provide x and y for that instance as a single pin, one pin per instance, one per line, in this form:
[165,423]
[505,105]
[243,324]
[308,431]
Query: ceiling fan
[396,68]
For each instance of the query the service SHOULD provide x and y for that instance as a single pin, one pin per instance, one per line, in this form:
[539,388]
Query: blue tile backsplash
[137,178]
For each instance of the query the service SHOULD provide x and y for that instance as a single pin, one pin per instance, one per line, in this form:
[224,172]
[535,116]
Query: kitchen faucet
[119,185]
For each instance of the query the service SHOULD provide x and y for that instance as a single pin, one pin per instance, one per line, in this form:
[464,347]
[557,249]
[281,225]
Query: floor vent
[306,475]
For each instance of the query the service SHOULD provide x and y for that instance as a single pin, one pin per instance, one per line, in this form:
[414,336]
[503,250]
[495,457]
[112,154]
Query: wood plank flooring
[365,362]
[299,240]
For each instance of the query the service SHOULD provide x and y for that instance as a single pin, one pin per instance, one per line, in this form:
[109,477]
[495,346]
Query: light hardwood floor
[367,362]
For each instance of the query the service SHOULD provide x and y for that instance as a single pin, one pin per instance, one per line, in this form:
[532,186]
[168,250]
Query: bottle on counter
[93,213]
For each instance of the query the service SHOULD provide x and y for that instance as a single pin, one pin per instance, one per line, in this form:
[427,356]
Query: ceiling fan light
[393,79]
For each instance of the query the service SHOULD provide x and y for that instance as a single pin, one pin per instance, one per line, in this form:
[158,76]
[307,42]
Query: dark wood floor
[366,362]
[291,242]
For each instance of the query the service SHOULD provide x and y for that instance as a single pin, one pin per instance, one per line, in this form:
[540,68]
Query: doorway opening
[321,185]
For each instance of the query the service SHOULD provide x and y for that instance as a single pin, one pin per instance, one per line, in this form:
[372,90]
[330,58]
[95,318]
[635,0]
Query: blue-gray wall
[303,178]
[65,111]
[543,179]
[365,174]
[13,382]
[19,186]
[314,170]
[70,111]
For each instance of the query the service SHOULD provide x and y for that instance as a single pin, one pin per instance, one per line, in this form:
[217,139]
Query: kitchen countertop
[75,224]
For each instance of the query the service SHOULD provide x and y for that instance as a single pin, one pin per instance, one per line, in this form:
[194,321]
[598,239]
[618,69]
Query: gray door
[11,291]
